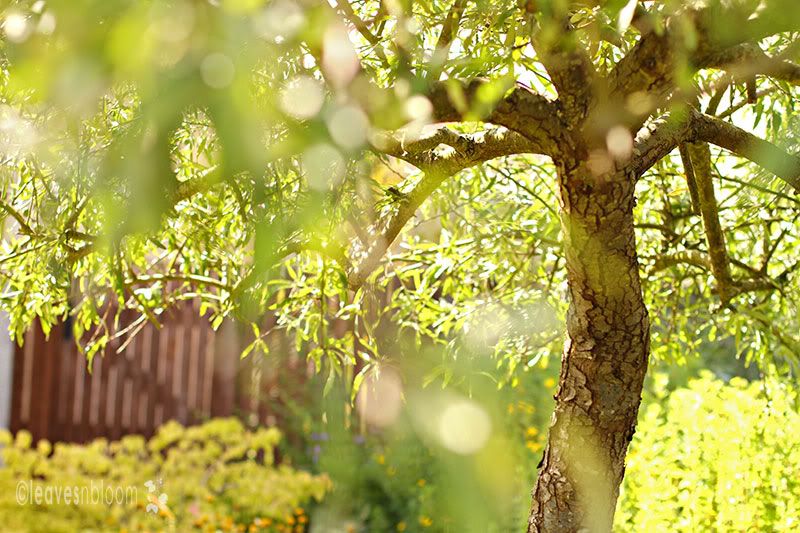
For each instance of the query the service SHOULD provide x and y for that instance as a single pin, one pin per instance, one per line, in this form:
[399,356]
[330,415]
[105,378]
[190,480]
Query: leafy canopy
[250,154]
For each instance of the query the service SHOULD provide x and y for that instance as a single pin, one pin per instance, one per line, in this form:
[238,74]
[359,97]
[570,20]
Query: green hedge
[217,476]
[715,457]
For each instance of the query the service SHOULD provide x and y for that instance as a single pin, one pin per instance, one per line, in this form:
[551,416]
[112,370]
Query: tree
[247,141]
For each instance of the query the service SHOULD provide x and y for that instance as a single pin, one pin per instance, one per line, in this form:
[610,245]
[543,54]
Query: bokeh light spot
[324,166]
[279,21]
[380,398]
[217,70]
[348,126]
[302,97]
[464,427]
[16,27]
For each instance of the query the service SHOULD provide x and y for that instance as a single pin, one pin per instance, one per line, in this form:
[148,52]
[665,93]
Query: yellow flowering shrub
[214,477]
[715,457]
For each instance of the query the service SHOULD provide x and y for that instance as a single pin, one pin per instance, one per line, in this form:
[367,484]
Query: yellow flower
[550,383]
[401,526]
[510,408]
[421,482]
[526,407]
[533,446]
[531,432]
[381,459]
[424,521]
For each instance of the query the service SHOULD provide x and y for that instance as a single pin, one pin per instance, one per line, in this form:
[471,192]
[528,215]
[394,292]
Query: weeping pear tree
[267,155]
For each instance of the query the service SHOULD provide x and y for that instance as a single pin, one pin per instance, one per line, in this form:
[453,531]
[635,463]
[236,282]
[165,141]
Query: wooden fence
[183,371]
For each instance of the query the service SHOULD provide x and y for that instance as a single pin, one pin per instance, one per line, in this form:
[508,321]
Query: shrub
[217,476]
[715,457]
[402,479]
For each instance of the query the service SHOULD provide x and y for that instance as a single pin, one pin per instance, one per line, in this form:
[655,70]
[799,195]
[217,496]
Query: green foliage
[715,457]
[761,237]
[217,476]
[160,151]
[406,477]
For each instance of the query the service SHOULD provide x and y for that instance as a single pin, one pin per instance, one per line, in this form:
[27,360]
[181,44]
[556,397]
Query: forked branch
[744,144]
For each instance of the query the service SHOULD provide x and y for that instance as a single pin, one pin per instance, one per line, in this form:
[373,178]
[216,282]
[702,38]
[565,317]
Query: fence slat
[183,370]
[51,378]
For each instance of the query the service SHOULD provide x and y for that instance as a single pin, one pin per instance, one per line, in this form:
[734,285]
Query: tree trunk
[604,360]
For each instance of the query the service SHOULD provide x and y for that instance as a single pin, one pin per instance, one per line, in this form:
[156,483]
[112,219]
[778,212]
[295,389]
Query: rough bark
[604,360]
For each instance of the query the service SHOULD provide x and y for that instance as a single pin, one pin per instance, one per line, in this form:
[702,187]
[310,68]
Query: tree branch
[685,257]
[744,144]
[748,60]
[657,140]
[570,68]
[701,260]
[667,132]
[648,70]
[445,151]
[24,227]
[700,157]
[363,29]
[205,180]
[144,279]
[691,180]
[449,30]
[383,233]
[426,153]
[521,110]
